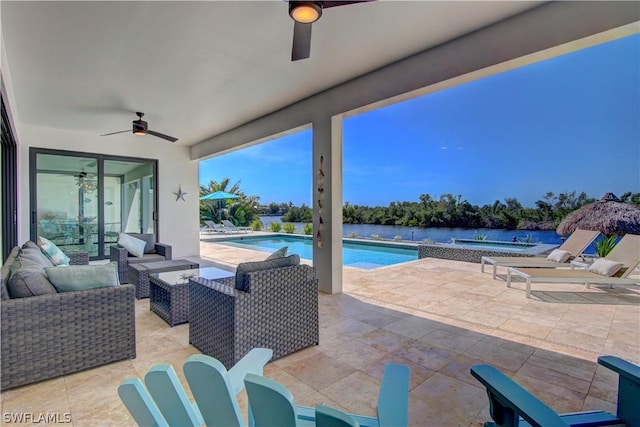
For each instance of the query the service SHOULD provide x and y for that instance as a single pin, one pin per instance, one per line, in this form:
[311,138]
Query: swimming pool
[492,245]
[473,250]
[367,255]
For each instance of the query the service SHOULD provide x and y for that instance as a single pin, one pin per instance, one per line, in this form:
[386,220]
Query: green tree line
[454,211]
[446,211]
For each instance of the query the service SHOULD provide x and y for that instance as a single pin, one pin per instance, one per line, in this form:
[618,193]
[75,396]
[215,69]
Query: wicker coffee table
[139,272]
[169,292]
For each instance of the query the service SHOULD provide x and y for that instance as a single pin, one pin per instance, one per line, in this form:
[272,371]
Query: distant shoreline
[434,234]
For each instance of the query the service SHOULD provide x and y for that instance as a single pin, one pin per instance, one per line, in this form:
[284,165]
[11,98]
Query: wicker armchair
[78,258]
[50,335]
[279,311]
[121,256]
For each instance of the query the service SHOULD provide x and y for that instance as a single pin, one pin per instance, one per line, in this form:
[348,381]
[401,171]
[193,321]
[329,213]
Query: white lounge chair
[230,226]
[212,227]
[575,245]
[626,252]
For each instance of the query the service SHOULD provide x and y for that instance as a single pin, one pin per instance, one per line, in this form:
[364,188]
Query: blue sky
[568,123]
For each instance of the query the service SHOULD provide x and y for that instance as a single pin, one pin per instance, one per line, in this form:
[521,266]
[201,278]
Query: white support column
[327,203]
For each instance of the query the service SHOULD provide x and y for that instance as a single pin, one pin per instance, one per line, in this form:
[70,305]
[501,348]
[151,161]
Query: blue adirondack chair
[331,417]
[215,389]
[140,404]
[164,402]
[273,405]
[510,405]
[167,392]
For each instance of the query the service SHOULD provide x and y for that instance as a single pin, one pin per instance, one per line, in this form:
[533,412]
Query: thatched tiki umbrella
[608,215]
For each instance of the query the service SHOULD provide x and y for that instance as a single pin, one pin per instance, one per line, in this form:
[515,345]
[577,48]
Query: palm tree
[214,186]
[240,211]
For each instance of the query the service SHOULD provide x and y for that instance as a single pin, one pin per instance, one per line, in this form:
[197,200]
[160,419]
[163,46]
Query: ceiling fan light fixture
[305,12]
[139,126]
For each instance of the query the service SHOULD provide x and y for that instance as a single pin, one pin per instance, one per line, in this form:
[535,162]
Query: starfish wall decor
[180,194]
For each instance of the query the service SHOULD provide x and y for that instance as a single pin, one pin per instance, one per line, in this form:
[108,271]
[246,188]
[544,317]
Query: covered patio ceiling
[198,69]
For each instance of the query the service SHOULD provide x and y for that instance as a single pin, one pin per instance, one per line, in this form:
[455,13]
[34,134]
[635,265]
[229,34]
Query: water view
[438,235]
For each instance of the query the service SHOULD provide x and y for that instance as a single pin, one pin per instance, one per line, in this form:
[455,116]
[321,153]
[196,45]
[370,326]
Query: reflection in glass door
[128,204]
[82,202]
[132,222]
[67,201]
[147,204]
[112,212]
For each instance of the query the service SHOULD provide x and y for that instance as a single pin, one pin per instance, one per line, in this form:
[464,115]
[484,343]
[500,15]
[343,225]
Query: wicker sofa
[278,309]
[46,336]
[154,251]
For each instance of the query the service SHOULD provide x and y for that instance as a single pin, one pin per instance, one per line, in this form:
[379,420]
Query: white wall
[178,220]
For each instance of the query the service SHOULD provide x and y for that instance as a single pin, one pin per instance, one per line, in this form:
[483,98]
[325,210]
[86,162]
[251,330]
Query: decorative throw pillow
[83,277]
[150,239]
[28,279]
[558,255]
[279,253]
[605,267]
[250,267]
[32,252]
[134,245]
[52,252]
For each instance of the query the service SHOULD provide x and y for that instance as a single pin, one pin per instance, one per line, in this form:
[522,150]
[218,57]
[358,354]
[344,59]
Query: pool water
[359,255]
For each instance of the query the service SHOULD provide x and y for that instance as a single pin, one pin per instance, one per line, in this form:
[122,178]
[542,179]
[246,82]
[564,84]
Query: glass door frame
[100,159]
[9,181]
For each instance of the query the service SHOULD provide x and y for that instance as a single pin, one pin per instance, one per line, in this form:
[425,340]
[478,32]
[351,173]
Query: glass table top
[181,277]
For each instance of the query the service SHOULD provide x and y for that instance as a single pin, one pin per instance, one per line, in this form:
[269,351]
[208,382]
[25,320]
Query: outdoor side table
[139,272]
[169,292]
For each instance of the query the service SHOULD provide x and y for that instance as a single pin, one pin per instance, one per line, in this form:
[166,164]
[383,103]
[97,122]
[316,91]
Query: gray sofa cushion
[134,246]
[6,272]
[82,277]
[28,279]
[250,267]
[150,239]
[279,253]
[146,258]
[32,252]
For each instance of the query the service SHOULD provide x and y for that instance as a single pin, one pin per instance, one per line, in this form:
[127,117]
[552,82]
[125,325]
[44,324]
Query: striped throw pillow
[52,252]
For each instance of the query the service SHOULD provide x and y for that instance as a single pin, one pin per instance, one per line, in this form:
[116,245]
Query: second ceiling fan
[305,13]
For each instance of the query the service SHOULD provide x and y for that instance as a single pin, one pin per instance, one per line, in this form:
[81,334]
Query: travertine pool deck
[437,316]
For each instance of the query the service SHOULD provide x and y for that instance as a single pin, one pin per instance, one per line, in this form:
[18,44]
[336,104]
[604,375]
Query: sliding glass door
[8,184]
[82,201]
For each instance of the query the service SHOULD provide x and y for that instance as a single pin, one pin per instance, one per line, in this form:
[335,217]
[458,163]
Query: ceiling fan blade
[301,41]
[114,133]
[161,135]
[327,4]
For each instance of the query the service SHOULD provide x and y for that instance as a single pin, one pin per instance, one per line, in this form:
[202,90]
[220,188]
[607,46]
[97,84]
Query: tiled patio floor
[437,316]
